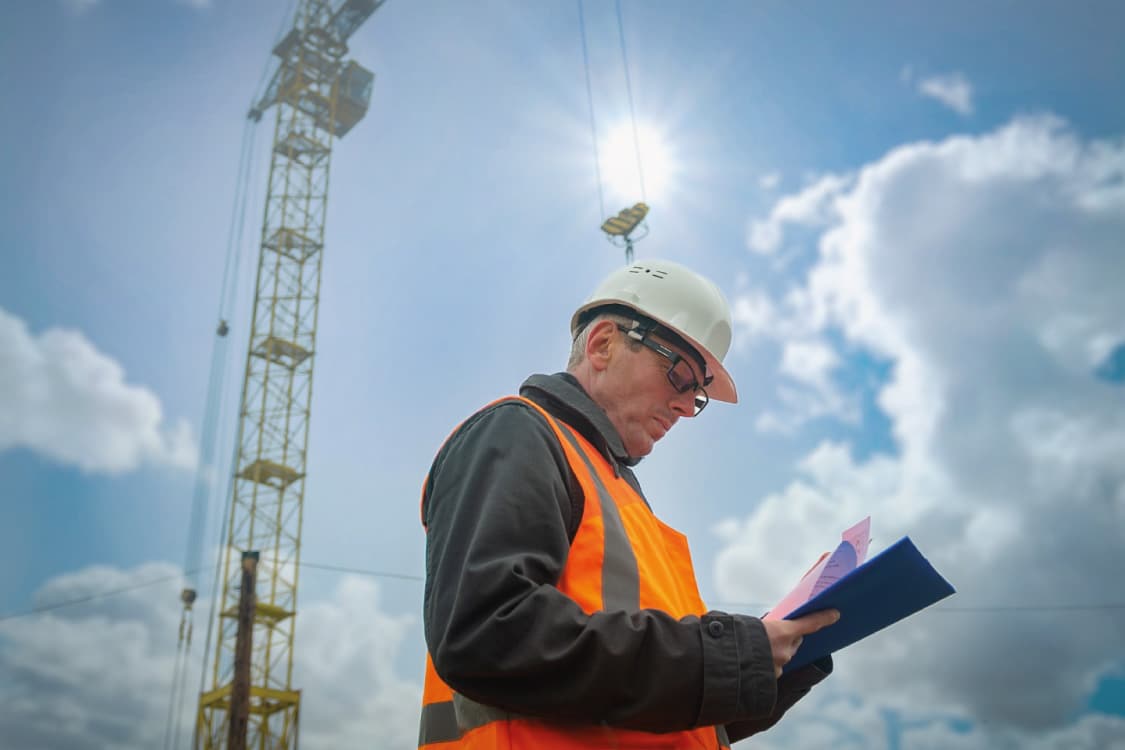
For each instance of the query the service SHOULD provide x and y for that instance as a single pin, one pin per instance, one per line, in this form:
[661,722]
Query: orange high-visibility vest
[622,558]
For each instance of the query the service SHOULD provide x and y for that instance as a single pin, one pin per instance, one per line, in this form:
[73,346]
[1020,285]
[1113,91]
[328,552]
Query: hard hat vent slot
[655,273]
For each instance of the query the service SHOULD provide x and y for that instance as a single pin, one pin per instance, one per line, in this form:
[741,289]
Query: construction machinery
[619,229]
[316,96]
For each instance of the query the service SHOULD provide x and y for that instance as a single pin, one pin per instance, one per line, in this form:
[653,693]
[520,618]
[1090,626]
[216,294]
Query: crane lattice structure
[317,97]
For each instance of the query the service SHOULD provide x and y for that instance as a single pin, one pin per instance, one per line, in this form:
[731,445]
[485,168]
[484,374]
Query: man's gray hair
[578,347]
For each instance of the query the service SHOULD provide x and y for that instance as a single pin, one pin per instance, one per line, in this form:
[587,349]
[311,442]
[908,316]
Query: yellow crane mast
[317,97]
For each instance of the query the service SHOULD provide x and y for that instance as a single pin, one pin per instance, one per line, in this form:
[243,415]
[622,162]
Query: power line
[1093,607]
[165,579]
[93,597]
[757,606]
[1035,607]
[360,571]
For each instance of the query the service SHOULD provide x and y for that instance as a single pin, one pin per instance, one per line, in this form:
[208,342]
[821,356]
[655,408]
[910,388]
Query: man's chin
[642,447]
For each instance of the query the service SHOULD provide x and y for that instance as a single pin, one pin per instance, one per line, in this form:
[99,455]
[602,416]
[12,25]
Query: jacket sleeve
[790,689]
[498,630]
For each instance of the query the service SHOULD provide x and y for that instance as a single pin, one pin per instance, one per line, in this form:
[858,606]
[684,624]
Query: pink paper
[848,555]
[859,536]
[842,562]
[800,594]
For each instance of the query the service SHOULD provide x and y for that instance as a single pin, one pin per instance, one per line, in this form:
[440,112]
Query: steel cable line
[227,302]
[180,576]
[1051,607]
[224,518]
[202,494]
[1097,606]
[360,571]
[616,227]
[1033,607]
[590,103]
[206,467]
[629,93]
[90,598]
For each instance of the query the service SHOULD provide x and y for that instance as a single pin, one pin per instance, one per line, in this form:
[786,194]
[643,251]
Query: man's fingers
[786,635]
[817,620]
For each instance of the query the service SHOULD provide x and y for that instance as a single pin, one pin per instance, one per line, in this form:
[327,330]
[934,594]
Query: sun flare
[623,180]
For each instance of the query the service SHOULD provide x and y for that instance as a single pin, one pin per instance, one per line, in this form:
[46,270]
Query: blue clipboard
[889,587]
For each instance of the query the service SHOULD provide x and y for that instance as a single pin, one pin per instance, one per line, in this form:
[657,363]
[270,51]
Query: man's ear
[600,344]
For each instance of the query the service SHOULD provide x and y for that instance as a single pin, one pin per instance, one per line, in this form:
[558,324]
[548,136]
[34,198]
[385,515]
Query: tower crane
[317,97]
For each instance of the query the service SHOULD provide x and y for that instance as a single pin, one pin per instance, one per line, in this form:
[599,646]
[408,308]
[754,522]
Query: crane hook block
[187,596]
[626,221]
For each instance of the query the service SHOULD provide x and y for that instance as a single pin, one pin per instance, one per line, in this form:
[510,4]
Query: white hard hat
[678,299]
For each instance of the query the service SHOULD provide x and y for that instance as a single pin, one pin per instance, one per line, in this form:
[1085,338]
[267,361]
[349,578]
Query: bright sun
[619,165]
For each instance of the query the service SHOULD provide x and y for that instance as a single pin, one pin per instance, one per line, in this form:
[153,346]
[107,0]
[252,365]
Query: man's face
[638,397]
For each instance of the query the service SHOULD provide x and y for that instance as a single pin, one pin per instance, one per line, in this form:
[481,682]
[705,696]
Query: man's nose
[684,403]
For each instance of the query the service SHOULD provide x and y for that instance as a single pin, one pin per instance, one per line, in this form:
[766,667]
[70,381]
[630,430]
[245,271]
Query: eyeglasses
[680,374]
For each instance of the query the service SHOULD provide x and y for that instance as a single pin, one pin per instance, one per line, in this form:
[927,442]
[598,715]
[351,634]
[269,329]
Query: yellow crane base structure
[317,97]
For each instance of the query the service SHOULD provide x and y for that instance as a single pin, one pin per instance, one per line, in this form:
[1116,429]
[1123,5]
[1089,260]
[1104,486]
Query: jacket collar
[562,396]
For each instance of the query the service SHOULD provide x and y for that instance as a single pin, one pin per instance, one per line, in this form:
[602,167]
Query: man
[559,611]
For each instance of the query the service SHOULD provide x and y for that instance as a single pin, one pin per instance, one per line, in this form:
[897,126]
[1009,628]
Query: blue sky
[916,214]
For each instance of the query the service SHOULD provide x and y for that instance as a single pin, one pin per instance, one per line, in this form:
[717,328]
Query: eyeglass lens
[680,374]
[682,378]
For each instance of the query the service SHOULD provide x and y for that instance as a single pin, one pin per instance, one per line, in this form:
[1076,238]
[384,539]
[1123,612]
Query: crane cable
[590,104]
[629,93]
[206,468]
[228,492]
[216,393]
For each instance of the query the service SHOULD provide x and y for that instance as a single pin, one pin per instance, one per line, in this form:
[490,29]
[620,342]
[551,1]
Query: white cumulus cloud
[829,718]
[811,392]
[812,207]
[951,89]
[64,399]
[754,316]
[351,695]
[97,675]
[986,270]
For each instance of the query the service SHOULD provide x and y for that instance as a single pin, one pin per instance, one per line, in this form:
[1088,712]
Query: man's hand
[786,635]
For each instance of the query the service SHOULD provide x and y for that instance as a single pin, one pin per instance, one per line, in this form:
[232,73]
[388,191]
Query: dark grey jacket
[501,506]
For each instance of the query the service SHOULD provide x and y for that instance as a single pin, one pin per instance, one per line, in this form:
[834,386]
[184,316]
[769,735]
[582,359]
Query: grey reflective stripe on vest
[621,582]
[450,720]
[438,724]
[722,736]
